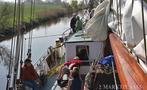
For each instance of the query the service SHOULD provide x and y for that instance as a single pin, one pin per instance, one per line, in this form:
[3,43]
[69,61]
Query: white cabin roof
[79,37]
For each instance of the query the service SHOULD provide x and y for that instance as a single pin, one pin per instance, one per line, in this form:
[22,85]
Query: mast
[15,63]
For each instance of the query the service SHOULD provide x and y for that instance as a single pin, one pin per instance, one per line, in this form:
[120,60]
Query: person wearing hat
[29,75]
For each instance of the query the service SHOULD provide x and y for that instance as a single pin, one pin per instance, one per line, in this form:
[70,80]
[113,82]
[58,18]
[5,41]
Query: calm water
[39,45]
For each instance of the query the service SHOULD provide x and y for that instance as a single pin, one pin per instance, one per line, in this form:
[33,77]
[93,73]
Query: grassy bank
[42,13]
[40,9]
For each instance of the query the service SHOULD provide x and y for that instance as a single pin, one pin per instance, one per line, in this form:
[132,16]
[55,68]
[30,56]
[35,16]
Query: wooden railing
[131,76]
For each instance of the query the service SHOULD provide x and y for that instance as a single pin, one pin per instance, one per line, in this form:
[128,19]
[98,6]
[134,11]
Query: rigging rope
[12,49]
[45,36]
[120,19]
[114,75]
[143,26]
[22,39]
[31,32]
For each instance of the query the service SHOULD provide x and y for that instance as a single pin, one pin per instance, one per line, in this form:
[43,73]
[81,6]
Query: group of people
[76,23]
[69,77]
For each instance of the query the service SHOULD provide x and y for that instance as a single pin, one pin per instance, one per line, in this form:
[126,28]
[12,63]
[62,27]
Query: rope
[12,49]
[120,19]
[31,32]
[114,76]
[34,10]
[22,39]
[143,25]
[45,36]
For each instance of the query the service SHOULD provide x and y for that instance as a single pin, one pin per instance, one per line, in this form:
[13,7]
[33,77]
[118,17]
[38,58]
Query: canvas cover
[96,27]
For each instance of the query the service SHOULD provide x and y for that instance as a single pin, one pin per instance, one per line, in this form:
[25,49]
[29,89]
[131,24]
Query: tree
[5,15]
[82,5]
[74,4]
[57,1]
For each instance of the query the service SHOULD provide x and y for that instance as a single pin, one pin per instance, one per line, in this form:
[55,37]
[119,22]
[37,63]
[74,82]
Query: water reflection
[4,55]
[39,45]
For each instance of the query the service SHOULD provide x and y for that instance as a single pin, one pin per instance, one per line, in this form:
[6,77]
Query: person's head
[78,18]
[28,62]
[75,72]
[74,15]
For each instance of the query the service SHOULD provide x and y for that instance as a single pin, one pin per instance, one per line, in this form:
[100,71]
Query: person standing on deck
[73,23]
[29,75]
[91,13]
[79,24]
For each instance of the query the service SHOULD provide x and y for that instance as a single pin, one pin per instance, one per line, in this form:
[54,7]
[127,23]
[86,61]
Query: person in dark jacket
[29,75]
[73,23]
[75,83]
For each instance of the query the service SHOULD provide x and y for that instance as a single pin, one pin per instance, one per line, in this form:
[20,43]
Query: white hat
[76,57]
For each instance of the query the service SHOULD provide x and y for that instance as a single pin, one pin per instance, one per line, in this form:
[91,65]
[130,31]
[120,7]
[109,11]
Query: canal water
[43,37]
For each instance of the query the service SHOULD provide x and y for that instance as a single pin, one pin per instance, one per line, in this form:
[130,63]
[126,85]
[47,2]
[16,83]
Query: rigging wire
[34,9]
[18,45]
[31,32]
[22,28]
[22,39]
[45,36]
[143,26]
[12,49]
[118,17]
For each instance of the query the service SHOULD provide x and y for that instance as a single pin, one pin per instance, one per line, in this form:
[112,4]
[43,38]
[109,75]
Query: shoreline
[26,27]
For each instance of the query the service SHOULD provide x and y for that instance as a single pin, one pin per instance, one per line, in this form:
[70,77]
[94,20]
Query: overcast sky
[43,0]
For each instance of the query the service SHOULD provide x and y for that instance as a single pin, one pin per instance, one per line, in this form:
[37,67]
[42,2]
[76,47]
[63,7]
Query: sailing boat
[126,21]
[126,32]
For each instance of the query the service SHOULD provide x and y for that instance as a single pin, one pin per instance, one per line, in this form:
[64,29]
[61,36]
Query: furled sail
[137,24]
[140,50]
[96,27]
[131,15]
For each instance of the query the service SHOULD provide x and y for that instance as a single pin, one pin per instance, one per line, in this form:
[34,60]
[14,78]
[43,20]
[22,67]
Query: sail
[140,50]
[137,21]
[96,27]
[131,15]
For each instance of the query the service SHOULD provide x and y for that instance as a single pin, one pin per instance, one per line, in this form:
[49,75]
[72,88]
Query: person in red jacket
[29,75]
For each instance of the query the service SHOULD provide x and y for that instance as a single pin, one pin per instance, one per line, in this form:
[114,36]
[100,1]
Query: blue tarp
[107,60]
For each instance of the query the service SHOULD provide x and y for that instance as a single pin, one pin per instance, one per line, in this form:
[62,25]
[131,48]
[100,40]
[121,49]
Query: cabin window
[82,51]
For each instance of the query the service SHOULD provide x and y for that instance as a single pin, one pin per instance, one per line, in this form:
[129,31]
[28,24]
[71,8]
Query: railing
[54,55]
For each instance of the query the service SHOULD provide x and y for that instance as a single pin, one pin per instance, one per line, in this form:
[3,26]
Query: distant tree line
[6,12]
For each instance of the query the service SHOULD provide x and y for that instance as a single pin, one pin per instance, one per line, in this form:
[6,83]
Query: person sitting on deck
[63,76]
[76,62]
[73,23]
[29,76]
[65,71]
[75,82]
[79,24]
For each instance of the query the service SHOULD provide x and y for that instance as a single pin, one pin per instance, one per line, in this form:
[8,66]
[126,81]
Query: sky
[43,0]
[70,0]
